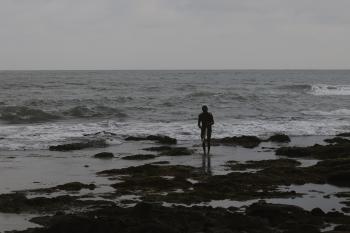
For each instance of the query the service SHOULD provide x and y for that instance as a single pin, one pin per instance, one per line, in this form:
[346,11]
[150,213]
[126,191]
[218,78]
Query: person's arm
[199,122]
[212,119]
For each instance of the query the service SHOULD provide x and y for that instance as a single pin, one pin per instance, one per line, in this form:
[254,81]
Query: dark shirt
[205,120]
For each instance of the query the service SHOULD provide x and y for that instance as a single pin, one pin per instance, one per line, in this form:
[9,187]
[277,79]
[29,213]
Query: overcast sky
[174,34]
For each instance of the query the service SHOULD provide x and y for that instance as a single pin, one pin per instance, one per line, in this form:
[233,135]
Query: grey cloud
[151,34]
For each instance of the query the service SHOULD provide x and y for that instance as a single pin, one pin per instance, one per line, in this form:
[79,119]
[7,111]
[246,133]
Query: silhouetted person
[205,121]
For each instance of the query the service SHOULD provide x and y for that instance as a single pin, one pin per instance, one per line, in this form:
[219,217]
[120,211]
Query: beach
[35,173]
[120,151]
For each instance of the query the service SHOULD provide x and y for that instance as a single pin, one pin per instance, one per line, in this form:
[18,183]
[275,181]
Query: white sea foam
[337,112]
[41,136]
[323,89]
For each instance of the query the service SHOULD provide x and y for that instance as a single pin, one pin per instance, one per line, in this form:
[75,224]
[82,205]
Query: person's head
[205,108]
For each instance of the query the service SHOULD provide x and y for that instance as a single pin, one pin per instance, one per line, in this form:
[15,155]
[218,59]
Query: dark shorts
[206,133]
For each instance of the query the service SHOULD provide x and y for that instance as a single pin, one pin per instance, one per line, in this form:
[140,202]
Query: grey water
[38,108]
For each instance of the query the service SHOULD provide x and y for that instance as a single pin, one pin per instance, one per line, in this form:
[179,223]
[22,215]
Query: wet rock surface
[340,148]
[279,138]
[104,155]
[262,164]
[72,186]
[160,183]
[79,145]
[18,203]
[140,157]
[146,217]
[244,141]
[158,138]
[344,135]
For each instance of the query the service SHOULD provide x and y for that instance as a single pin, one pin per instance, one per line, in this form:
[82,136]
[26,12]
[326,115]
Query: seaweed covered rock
[104,155]
[288,217]
[262,164]
[140,157]
[18,202]
[344,135]
[79,145]
[152,170]
[339,178]
[146,218]
[338,140]
[244,141]
[72,186]
[341,149]
[260,217]
[279,138]
[158,138]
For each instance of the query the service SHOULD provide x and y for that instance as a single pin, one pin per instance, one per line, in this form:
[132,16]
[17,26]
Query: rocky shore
[161,196]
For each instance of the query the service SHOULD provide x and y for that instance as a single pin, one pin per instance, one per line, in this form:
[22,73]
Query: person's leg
[208,138]
[203,138]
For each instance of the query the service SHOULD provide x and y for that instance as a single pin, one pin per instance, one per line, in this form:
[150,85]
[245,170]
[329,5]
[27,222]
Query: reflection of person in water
[206,164]
[205,121]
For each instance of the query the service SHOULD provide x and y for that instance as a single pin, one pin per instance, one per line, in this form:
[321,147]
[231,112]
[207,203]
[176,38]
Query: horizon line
[192,69]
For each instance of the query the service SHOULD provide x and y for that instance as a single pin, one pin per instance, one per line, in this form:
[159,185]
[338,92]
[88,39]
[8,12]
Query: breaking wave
[324,89]
[41,136]
[338,112]
[296,87]
[97,111]
[23,114]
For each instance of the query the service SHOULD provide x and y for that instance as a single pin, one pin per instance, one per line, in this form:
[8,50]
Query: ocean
[43,108]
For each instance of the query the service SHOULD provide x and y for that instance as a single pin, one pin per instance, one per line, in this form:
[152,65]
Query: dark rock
[339,178]
[337,140]
[334,214]
[158,148]
[79,145]
[158,138]
[280,163]
[162,139]
[343,135]
[333,151]
[342,228]
[279,138]
[317,212]
[140,157]
[293,151]
[75,186]
[281,216]
[152,170]
[244,141]
[147,218]
[150,184]
[160,163]
[104,155]
[18,202]
[72,186]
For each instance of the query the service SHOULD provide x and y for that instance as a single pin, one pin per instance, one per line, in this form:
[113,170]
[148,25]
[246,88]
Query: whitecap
[324,90]
[41,136]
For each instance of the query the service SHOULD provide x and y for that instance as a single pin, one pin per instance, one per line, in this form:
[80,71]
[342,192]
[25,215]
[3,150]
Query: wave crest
[22,114]
[97,111]
[324,89]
